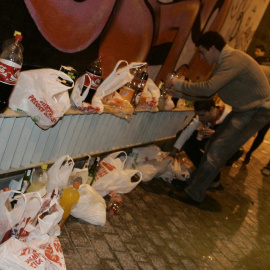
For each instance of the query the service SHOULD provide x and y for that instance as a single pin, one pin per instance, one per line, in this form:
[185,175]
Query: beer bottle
[26,182]
[92,171]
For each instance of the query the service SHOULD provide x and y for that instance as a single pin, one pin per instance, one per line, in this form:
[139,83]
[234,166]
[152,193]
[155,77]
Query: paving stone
[115,242]
[137,252]
[147,246]
[92,231]
[89,257]
[111,265]
[159,262]
[126,260]
[102,249]
[146,266]
[125,235]
[79,238]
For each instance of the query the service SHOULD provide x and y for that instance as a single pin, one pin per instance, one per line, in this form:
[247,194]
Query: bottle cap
[44,166]
[111,212]
[76,185]
[18,37]
[17,33]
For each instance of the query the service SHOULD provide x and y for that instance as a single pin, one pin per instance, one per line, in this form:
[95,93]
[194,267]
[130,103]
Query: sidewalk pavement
[230,230]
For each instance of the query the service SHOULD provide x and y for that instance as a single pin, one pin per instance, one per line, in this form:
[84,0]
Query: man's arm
[185,135]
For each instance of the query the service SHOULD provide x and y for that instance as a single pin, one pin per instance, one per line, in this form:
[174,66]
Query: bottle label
[137,98]
[95,81]
[9,71]
[127,93]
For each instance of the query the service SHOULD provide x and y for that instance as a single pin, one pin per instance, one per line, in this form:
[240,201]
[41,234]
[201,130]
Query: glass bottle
[26,181]
[92,171]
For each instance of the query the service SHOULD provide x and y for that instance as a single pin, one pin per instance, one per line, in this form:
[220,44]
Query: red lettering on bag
[103,170]
[36,263]
[49,251]
[42,106]
[46,107]
[109,166]
[57,246]
[36,103]
[25,251]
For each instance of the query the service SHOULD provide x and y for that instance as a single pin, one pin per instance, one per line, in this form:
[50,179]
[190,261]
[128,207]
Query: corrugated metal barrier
[23,144]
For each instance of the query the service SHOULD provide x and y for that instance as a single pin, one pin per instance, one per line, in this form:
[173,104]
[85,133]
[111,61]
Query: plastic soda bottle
[11,60]
[39,180]
[95,71]
[69,197]
[138,86]
[115,203]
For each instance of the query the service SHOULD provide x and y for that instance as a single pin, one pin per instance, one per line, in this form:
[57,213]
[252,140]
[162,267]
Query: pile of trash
[31,218]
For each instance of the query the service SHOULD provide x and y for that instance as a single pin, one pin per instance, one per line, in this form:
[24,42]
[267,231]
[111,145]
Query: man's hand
[206,132]
[174,152]
[170,86]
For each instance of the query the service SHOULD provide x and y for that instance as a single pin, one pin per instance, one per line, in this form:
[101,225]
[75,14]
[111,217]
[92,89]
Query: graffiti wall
[161,32]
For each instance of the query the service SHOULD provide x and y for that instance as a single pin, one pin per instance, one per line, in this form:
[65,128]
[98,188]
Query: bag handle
[63,75]
[137,64]
[86,91]
[65,161]
[114,155]
[118,64]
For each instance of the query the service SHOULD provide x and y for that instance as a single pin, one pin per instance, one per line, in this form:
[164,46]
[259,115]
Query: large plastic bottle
[138,86]
[11,60]
[95,71]
[70,196]
[39,180]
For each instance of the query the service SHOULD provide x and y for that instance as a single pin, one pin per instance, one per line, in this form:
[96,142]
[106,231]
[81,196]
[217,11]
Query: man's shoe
[266,171]
[179,184]
[182,196]
[247,159]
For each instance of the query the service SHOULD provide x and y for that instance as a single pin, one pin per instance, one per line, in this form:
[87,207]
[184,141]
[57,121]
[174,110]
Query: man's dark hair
[211,38]
[261,47]
[204,105]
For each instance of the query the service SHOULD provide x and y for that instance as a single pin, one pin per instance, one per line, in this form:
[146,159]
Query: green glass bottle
[92,171]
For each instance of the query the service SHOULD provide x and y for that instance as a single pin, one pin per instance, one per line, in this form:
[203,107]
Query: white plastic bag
[91,207]
[33,243]
[77,97]
[146,153]
[149,97]
[59,173]
[111,176]
[45,253]
[10,217]
[40,94]
[149,160]
[178,169]
[117,78]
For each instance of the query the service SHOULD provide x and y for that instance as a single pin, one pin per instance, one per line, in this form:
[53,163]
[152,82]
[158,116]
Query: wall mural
[161,32]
